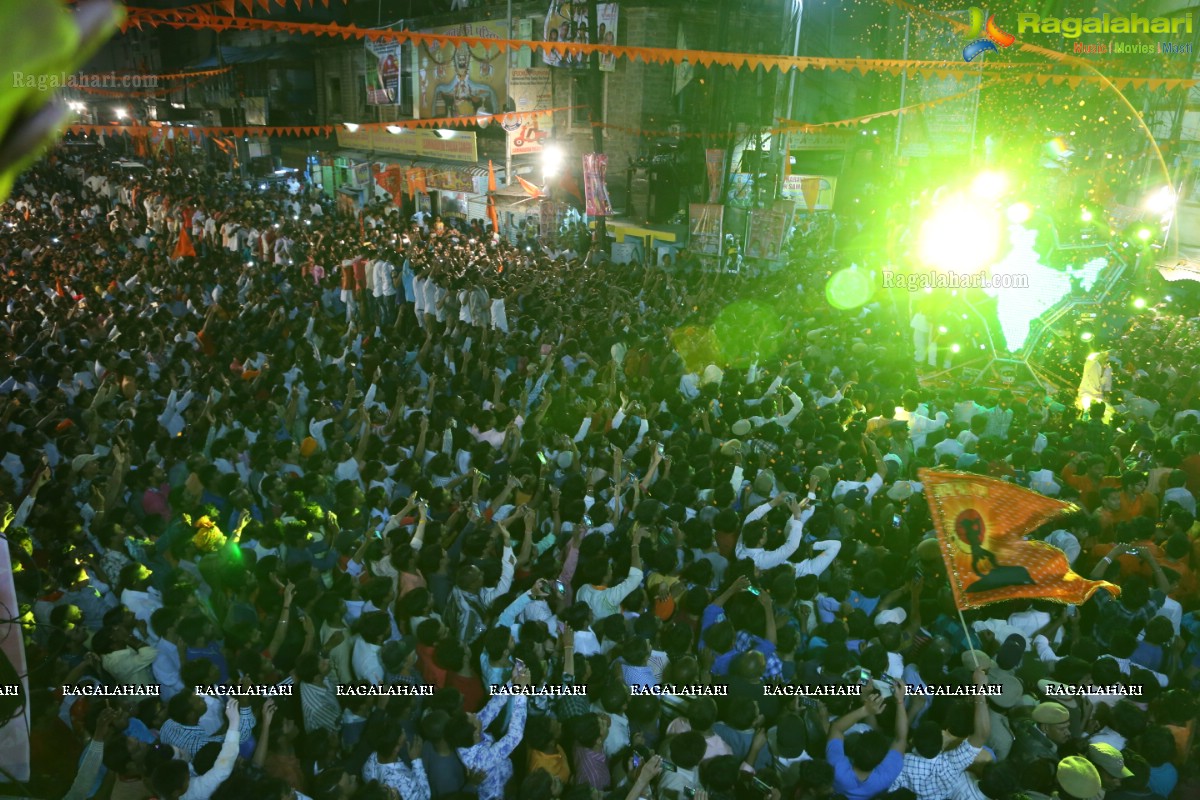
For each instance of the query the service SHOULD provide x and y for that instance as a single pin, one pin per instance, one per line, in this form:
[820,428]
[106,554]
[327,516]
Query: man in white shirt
[753,534]
[603,600]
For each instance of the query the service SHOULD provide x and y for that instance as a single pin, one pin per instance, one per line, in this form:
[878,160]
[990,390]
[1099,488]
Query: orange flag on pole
[491,200]
[981,525]
[184,246]
[530,189]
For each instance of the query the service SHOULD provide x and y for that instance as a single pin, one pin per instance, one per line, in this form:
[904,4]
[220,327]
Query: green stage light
[942,329]
[955,348]
[960,237]
[1139,303]
[1143,234]
[1086,215]
[989,185]
[1087,336]
[848,289]
[1019,213]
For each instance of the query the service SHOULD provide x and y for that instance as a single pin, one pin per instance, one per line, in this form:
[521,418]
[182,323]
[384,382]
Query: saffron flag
[491,200]
[981,525]
[530,189]
[184,246]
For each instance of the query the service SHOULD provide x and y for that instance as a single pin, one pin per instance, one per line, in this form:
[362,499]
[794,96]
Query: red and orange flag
[491,200]
[981,525]
[184,246]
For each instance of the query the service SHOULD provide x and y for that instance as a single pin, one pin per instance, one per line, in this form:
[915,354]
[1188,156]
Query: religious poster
[768,230]
[458,80]
[595,192]
[529,90]
[568,22]
[741,190]
[383,73]
[705,228]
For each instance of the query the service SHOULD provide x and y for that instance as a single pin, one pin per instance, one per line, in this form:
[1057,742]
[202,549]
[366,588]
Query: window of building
[581,84]
[335,96]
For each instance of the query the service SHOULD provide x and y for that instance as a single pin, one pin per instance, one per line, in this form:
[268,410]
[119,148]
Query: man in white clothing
[753,533]
[605,600]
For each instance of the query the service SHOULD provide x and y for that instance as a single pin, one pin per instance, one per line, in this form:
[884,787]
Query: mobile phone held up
[541,457]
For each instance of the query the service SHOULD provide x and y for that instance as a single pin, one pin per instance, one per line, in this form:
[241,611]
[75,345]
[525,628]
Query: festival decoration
[981,526]
[183,18]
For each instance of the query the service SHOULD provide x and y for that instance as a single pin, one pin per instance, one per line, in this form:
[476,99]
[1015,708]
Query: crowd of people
[251,443]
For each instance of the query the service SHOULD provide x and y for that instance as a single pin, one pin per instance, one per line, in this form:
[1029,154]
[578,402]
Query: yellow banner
[416,144]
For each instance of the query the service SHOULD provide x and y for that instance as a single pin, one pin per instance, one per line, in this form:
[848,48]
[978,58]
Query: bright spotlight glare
[1143,234]
[1161,202]
[955,348]
[552,160]
[959,237]
[1087,336]
[351,126]
[1086,215]
[394,129]
[1019,213]
[1139,303]
[989,185]
[942,329]
[121,113]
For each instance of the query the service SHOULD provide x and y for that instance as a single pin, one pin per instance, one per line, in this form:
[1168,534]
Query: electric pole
[597,111]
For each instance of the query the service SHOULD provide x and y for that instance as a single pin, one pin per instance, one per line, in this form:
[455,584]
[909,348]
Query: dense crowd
[325,453]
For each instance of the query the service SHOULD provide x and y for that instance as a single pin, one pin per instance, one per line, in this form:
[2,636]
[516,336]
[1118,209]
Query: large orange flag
[184,246]
[491,200]
[981,524]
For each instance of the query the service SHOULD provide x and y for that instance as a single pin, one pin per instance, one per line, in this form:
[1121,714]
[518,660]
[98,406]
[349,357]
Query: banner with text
[461,79]
[813,192]
[529,90]
[417,144]
[705,228]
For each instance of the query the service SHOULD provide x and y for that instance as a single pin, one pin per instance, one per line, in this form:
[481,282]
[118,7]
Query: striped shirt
[318,702]
[190,738]
[409,781]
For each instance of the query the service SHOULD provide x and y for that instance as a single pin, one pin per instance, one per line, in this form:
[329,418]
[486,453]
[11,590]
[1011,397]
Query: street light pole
[785,151]
[512,60]
[597,115]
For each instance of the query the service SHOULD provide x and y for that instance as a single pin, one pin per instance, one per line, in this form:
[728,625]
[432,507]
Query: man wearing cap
[1078,779]
[1109,763]
[1040,736]
[932,773]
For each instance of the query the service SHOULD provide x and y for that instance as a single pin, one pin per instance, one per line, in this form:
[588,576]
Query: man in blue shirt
[865,765]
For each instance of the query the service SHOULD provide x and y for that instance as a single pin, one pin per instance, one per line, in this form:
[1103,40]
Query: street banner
[568,22]
[596,202]
[383,73]
[461,79]
[768,230]
[715,162]
[529,90]
[705,228]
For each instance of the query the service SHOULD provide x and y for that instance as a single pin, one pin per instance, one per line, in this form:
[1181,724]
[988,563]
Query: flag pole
[967,631]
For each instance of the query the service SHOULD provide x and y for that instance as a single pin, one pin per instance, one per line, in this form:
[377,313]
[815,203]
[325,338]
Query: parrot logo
[984,37]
